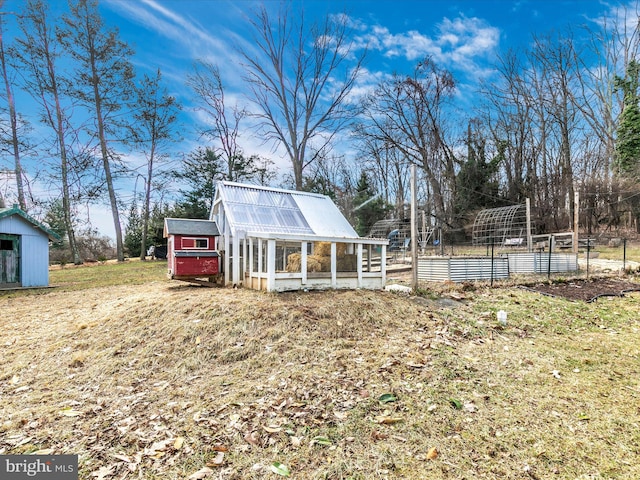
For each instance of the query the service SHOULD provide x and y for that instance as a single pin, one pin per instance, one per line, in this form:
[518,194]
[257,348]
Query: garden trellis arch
[503,226]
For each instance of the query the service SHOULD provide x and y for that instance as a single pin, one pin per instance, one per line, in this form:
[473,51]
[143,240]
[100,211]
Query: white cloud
[457,43]
[186,34]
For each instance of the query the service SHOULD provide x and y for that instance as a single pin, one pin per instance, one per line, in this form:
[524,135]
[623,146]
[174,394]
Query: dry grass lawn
[158,380]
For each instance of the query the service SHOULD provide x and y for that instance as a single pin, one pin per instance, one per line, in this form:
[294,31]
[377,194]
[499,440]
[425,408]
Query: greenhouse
[277,240]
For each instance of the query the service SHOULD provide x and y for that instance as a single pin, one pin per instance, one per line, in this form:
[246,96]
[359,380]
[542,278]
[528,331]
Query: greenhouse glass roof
[258,209]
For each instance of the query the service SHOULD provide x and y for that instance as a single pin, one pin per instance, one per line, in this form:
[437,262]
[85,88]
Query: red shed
[192,248]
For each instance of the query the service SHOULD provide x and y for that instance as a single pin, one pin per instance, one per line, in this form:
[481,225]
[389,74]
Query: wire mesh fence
[465,261]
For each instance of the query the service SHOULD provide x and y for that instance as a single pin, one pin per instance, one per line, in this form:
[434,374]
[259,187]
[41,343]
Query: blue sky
[464,36]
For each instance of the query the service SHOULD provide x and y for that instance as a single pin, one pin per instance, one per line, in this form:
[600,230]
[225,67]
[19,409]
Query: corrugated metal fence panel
[433,269]
[522,262]
[539,262]
[556,262]
[462,269]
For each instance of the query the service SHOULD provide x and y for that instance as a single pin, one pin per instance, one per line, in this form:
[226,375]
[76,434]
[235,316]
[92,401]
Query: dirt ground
[605,282]
[169,381]
[586,290]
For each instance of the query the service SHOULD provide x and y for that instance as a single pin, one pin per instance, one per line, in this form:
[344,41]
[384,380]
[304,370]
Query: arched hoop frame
[502,226]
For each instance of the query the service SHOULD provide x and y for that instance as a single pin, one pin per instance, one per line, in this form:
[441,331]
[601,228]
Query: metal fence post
[549,262]
[492,243]
[588,255]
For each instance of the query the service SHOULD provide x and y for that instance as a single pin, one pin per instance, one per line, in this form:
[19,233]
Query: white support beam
[383,264]
[359,264]
[236,260]
[244,258]
[260,260]
[227,263]
[334,266]
[271,265]
[250,270]
[303,263]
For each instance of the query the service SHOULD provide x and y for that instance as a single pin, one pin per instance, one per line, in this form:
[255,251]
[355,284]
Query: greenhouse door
[9,259]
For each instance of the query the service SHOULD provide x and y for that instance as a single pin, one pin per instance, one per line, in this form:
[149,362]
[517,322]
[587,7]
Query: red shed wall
[187,260]
[185,242]
[196,266]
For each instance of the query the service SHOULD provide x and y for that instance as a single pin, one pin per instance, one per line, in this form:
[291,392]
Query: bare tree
[509,115]
[38,53]
[104,85]
[406,113]
[153,130]
[390,170]
[300,80]
[206,83]
[613,43]
[555,58]
[13,118]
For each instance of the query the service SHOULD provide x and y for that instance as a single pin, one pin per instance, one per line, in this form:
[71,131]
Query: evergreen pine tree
[133,232]
[369,208]
[628,131]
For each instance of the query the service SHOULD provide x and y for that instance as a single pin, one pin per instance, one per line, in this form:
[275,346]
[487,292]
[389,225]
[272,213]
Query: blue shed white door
[9,259]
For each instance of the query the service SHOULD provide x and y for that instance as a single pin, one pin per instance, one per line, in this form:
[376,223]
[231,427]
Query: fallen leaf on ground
[271,429]
[177,445]
[124,458]
[320,440]
[377,435]
[280,468]
[253,438]
[70,412]
[44,451]
[388,420]
[103,472]
[217,460]
[470,407]
[387,398]
[202,473]
[432,453]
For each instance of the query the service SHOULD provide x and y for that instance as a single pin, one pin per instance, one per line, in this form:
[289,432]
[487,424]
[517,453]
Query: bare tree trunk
[14,123]
[104,83]
[37,57]
[147,205]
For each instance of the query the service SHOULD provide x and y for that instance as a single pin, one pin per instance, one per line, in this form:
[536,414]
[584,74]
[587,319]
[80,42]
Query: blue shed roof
[15,210]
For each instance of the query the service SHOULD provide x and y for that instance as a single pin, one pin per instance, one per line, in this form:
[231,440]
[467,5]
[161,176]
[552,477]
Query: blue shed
[24,249]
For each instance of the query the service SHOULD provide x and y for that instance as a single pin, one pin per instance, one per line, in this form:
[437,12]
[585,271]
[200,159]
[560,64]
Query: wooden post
[576,220]
[414,230]
[529,239]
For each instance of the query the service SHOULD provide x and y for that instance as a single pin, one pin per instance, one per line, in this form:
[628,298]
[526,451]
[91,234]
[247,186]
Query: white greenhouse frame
[260,227]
